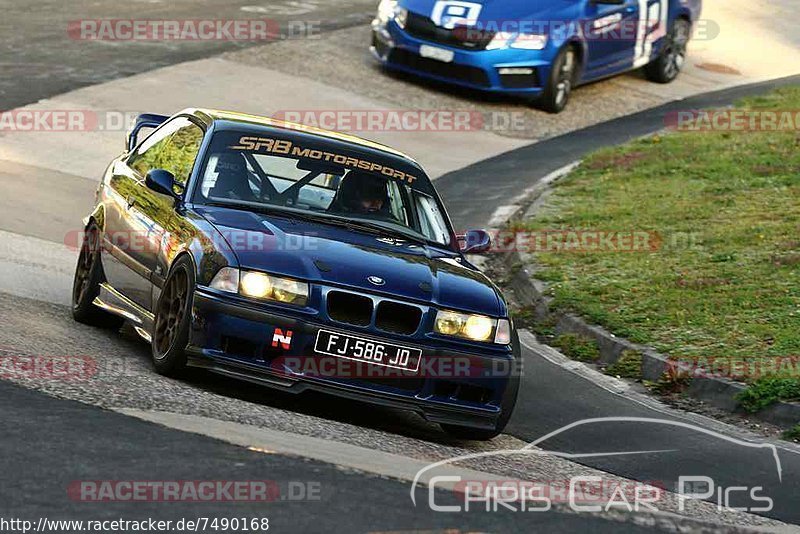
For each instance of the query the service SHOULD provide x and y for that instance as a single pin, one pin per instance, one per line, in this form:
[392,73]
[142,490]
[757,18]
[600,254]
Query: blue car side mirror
[161,181]
[476,242]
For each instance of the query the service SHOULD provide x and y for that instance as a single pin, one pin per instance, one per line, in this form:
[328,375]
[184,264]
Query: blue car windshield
[251,175]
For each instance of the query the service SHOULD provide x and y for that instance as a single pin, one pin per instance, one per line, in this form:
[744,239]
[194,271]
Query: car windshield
[269,174]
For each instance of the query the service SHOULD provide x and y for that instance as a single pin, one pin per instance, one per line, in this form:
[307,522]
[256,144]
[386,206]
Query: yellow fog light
[291,291]
[449,323]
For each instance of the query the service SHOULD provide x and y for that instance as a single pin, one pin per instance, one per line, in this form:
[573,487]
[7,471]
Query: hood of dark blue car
[494,11]
[340,256]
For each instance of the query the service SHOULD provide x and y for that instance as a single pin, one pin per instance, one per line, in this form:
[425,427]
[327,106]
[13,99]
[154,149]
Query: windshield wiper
[381,229]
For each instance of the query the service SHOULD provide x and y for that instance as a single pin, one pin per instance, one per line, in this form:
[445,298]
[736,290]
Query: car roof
[210,115]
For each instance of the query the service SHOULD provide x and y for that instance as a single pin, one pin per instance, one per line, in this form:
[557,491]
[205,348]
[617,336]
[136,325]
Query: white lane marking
[35,268]
[622,389]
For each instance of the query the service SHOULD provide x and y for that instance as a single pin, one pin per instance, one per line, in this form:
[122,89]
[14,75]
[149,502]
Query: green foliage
[724,278]
[793,434]
[577,347]
[767,391]
[629,365]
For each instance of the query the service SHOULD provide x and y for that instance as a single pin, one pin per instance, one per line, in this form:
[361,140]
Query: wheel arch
[98,216]
[581,52]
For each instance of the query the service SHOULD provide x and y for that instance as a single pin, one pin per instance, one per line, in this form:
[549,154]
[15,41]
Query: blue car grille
[387,315]
[424,28]
[464,73]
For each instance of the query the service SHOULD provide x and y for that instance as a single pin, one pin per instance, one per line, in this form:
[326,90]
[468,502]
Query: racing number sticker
[652,26]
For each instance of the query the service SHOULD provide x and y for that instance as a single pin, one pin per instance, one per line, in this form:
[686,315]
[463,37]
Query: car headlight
[521,41]
[261,286]
[390,10]
[474,327]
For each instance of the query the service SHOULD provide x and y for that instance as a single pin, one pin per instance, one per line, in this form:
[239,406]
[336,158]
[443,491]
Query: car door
[136,222]
[611,32]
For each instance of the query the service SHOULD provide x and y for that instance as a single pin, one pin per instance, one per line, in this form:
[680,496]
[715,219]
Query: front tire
[172,319]
[669,63]
[86,283]
[562,78]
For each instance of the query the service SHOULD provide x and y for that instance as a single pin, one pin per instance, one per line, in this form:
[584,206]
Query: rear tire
[172,319]
[86,283]
[669,63]
[559,85]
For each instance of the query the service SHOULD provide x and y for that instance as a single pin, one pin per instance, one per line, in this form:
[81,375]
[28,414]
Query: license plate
[439,54]
[368,350]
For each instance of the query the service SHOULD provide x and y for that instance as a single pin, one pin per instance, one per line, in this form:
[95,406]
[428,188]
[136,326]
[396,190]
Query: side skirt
[115,302]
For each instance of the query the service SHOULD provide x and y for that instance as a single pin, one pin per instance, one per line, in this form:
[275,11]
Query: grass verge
[719,278]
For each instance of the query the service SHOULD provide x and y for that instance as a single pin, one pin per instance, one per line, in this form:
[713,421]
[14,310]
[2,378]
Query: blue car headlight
[520,41]
[390,10]
[260,285]
[472,327]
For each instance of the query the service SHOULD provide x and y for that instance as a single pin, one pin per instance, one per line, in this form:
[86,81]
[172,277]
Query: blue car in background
[300,259]
[538,49]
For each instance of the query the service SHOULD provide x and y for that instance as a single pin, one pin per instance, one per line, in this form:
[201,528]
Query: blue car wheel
[562,80]
[666,67]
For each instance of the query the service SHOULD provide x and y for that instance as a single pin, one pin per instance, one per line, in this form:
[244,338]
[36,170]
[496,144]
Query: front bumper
[234,337]
[474,69]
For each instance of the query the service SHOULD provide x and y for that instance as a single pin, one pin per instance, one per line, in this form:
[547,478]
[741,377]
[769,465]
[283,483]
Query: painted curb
[530,292]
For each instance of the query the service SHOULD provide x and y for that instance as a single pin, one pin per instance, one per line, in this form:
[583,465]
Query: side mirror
[161,181]
[475,242]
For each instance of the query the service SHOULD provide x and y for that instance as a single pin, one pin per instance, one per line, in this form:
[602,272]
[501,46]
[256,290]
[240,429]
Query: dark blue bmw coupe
[300,259]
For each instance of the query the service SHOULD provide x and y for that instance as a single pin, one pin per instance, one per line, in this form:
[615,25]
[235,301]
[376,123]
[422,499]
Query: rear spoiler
[145,120]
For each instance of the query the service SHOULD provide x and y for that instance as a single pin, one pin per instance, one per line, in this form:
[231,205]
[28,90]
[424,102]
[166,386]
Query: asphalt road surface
[48,443]
[552,396]
[49,446]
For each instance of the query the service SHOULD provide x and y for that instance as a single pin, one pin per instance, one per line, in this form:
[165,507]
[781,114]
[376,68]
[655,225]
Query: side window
[396,204]
[173,148]
[432,224]
[146,154]
[180,152]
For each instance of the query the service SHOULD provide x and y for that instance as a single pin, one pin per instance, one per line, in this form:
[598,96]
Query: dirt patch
[772,170]
[719,68]
[786,260]
[701,283]
[618,161]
